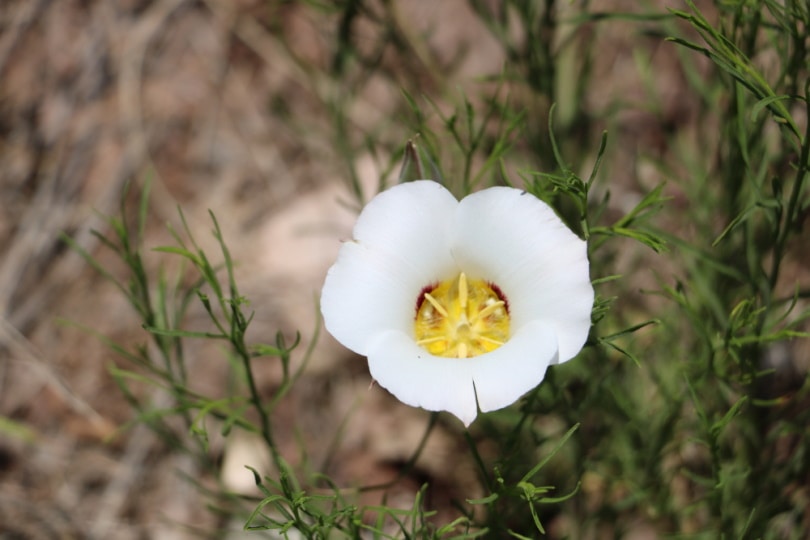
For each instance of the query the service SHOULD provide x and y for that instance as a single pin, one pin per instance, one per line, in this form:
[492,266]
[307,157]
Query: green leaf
[765,103]
[179,251]
[492,497]
[556,449]
[183,333]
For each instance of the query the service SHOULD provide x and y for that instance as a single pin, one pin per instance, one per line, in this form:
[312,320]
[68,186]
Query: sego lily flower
[459,305]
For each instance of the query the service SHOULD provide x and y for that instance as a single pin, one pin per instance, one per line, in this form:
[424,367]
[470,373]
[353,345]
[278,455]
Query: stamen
[427,341]
[461,318]
[462,290]
[462,349]
[435,303]
[487,311]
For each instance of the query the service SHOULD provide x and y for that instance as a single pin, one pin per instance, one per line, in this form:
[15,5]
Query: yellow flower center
[461,318]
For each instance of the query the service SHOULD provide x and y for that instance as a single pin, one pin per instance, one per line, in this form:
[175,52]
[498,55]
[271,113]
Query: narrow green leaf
[183,333]
[546,459]
[179,251]
[492,497]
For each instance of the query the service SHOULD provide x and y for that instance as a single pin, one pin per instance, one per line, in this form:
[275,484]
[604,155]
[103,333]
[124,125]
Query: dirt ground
[225,105]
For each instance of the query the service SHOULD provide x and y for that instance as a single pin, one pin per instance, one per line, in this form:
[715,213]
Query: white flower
[458,304]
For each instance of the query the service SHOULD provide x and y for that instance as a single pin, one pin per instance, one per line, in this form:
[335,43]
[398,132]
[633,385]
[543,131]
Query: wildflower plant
[472,291]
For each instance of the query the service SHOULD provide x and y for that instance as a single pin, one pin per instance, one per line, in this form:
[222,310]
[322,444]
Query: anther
[462,350]
[462,290]
[430,340]
[489,310]
[435,303]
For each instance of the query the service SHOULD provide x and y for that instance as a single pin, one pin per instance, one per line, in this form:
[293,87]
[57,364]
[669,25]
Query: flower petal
[410,222]
[420,379]
[516,241]
[399,247]
[366,292]
[496,379]
[508,372]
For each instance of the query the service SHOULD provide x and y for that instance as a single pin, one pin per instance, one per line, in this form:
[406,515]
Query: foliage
[671,418]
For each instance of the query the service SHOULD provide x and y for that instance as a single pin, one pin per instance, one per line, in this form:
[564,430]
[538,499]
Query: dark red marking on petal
[421,298]
[497,290]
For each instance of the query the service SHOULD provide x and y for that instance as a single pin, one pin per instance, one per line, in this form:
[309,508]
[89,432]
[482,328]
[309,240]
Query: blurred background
[283,118]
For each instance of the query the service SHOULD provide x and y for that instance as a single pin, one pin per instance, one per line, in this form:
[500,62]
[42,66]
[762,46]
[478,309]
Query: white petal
[498,379]
[508,372]
[411,221]
[517,241]
[399,247]
[420,379]
[365,293]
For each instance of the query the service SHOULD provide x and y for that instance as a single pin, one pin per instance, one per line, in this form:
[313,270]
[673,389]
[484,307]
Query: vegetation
[686,414]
